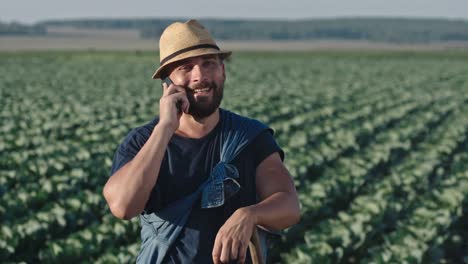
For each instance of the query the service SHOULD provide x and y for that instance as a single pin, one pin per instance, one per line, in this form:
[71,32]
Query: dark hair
[163,74]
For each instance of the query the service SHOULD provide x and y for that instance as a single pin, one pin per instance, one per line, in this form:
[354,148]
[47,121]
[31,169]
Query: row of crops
[377,144]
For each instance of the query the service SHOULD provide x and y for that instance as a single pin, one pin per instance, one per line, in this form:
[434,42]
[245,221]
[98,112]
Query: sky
[27,11]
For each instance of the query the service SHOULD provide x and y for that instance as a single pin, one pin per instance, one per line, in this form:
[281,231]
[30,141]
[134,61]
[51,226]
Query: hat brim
[190,54]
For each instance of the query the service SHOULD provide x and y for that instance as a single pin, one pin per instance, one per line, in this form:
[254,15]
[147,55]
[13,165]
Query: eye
[185,67]
[209,63]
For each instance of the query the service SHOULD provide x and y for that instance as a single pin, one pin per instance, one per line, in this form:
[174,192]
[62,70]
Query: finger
[242,253]
[185,105]
[182,98]
[172,89]
[234,251]
[216,254]
[164,86]
[225,252]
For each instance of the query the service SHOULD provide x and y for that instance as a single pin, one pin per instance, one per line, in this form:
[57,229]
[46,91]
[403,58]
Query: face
[203,78]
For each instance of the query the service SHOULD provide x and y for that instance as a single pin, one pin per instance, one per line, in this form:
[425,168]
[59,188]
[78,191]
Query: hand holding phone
[172,104]
[168,81]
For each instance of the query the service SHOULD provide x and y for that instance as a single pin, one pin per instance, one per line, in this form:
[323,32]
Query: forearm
[128,190]
[278,211]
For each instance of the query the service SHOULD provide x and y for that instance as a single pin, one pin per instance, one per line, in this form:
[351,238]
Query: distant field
[119,43]
[69,38]
[376,144]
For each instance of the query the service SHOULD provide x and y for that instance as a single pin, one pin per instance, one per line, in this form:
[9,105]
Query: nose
[198,74]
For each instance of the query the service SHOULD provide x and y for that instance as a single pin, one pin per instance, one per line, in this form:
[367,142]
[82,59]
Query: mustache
[202,85]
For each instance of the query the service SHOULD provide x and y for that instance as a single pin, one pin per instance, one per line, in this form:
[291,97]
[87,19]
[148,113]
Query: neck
[192,127]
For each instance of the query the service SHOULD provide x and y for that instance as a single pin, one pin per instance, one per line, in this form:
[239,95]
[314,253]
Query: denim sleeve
[264,145]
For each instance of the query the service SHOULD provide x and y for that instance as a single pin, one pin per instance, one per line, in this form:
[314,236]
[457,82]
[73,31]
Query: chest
[188,163]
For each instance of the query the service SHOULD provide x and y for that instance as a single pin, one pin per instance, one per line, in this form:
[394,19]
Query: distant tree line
[21,29]
[395,30]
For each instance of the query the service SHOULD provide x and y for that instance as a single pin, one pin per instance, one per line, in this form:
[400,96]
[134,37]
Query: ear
[224,72]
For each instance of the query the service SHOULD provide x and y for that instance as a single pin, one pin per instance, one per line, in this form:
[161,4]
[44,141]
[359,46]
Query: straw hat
[184,40]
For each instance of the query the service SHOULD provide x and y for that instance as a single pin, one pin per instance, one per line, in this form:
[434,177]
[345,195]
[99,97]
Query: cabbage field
[377,144]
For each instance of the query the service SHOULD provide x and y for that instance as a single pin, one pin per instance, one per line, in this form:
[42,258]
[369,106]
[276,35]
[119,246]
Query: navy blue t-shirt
[186,164]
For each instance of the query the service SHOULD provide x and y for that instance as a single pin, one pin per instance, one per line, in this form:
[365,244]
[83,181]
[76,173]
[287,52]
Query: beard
[205,106]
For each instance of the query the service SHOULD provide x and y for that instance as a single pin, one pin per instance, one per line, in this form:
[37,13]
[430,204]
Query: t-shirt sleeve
[264,145]
[126,151]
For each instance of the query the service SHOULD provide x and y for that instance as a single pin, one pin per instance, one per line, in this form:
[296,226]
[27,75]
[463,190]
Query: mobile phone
[168,81]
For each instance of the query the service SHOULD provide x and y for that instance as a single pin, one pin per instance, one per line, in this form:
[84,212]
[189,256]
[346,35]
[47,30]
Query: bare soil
[69,38]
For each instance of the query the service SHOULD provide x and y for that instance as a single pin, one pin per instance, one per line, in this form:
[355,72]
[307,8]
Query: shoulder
[146,128]
[264,145]
[138,136]
[131,144]
[226,114]
[242,122]
[262,142]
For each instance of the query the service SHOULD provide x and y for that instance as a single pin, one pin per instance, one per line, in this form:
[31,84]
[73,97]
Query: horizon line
[265,19]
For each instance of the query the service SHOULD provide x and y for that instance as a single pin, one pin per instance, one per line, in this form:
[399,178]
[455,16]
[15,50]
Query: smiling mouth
[202,90]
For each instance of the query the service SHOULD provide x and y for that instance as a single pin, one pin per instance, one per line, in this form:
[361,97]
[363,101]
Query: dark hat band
[201,46]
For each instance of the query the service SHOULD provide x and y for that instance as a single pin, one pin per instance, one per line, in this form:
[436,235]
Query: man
[200,177]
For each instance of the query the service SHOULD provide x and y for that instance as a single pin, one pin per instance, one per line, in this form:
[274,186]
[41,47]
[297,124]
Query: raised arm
[129,188]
